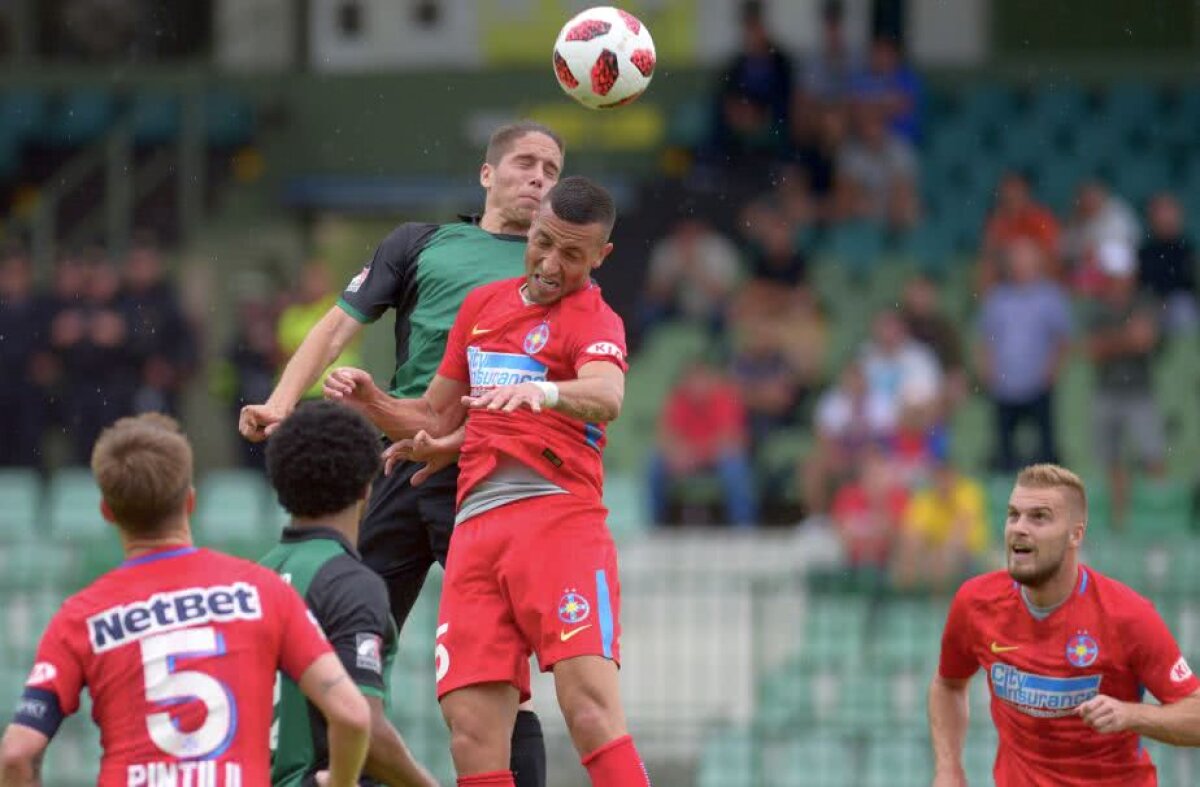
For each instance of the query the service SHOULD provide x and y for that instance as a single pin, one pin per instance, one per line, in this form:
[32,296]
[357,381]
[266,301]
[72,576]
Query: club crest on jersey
[573,608]
[536,339]
[1082,650]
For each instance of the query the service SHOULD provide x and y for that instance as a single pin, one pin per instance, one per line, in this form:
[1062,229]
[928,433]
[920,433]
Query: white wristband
[549,391]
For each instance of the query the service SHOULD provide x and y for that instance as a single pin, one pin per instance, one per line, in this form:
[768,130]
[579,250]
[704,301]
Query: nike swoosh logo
[566,635]
[476,331]
[1003,648]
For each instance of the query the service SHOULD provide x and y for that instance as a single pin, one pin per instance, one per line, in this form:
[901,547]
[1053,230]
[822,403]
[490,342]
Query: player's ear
[485,175]
[107,512]
[190,502]
[604,252]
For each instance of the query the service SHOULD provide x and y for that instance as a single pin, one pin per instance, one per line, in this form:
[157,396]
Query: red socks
[489,779]
[616,764]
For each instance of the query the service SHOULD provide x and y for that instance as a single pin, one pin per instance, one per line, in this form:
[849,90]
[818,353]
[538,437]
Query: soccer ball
[604,57]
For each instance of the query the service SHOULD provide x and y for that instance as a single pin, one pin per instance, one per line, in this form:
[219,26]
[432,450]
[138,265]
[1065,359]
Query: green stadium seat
[1057,105]
[37,564]
[858,245]
[835,630]
[988,103]
[23,113]
[74,507]
[25,614]
[20,504]
[908,632]
[80,117]
[156,118]
[728,760]
[815,759]
[898,760]
[979,752]
[1130,105]
[625,498]
[1160,509]
[228,119]
[231,507]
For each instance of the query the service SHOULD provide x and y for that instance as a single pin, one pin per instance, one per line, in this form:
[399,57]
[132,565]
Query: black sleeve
[39,709]
[350,601]
[385,280]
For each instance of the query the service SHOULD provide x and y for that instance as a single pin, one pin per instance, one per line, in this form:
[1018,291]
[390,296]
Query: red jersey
[498,339]
[179,650]
[1105,639]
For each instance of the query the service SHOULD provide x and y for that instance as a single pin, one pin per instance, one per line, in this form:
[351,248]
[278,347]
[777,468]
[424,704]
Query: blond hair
[1049,476]
[143,466]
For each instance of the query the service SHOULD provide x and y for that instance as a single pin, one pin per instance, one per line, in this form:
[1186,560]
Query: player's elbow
[350,713]
[610,402]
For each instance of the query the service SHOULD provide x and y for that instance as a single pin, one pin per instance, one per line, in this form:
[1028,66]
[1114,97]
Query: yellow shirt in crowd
[294,324]
[933,517]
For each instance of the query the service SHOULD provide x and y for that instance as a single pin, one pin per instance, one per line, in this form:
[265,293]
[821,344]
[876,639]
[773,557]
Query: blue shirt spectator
[888,82]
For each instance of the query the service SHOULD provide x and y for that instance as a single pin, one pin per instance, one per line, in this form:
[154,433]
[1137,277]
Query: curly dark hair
[321,458]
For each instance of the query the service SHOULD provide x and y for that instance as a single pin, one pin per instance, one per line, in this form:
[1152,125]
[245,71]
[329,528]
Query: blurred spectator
[160,337]
[891,87]
[703,430]
[90,337]
[1099,216]
[777,266]
[1016,215]
[849,419]
[877,174]
[928,325]
[1024,337]
[24,356]
[1122,332]
[754,93]
[828,72]
[867,512]
[768,385]
[944,538]
[816,144]
[313,298]
[1167,265]
[901,371]
[692,275]
[246,373]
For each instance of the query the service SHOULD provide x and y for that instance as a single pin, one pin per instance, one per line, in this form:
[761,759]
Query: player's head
[568,239]
[523,160]
[322,459]
[143,466]
[1047,516]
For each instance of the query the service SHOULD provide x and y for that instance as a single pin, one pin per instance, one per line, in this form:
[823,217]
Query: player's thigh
[562,578]
[477,639]
[437,509]
[392,539]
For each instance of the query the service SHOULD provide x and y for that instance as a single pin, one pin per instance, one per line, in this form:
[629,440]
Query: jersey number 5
[167,685]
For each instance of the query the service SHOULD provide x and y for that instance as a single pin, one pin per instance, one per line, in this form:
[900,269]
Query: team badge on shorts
[536,339]
[573,608]
[1082,650]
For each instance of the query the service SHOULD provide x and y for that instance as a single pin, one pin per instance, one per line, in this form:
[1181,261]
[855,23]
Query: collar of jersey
[158,554]
[1080,590]
[292,534]
[475,218]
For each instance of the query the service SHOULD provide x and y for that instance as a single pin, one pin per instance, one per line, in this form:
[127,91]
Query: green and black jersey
[424,271]
[351,604]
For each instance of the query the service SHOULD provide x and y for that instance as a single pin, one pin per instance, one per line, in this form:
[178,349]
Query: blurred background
[872,257]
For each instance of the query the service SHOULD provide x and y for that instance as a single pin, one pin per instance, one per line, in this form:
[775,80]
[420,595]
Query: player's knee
[592,721]
[472,736]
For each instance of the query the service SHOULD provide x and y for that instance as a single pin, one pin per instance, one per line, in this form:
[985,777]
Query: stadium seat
[813,759]
[41,564]
[80,117]
[74,507]
[1160,509]
[728,760]
[835,630]
[625,498]
[20,504]
[228,119]
[988,103]
[25,614]
[908,632]
[231,506]
[23,113]
[156,118]
[898,759]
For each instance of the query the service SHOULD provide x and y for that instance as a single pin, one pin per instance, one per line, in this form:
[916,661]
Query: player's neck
[493,221]
[1055,591]
[344,522]
[135,547]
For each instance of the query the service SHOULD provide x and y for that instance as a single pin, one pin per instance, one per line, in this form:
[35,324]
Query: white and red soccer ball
[604,57]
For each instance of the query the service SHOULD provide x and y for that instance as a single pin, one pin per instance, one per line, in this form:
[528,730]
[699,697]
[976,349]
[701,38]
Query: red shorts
[535,576]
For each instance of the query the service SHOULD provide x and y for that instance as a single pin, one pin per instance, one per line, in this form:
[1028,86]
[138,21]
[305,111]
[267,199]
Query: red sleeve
[957,661]
[601,339]
[56,667]
[301,640]
[454,360]
[1157,661]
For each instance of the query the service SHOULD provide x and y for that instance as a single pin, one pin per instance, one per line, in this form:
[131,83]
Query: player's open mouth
[545,283]
[1021,549]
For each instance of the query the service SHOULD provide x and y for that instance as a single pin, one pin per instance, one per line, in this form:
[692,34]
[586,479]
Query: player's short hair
[581,201]
[1049,476]
[503,139]
[143,466]
[321,458]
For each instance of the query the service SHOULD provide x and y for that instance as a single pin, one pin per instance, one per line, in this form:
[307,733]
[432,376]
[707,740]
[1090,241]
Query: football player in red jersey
[178,647]
[539,364]
[1068,653]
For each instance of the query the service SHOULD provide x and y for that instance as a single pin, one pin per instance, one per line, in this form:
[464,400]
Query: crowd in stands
[839,134]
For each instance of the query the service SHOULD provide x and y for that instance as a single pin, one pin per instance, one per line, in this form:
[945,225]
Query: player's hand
[353,387]
[436,452]
[508,398]
[1105,714]
[256,422]
[322,778]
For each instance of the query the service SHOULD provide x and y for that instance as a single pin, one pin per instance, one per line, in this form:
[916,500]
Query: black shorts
[405,529]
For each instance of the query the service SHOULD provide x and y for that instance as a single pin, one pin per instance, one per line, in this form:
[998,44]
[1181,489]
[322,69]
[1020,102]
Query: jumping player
[1067,652]
[424,271]
[539,361]
[179,646]
[321,462]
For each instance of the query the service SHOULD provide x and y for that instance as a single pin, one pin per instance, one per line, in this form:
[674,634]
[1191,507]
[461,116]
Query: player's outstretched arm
[389,761]
[1177,723]
[21,753]
[436,452]
[948,717]
[595,396]
[321,347]
[327,686]
[438,411]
